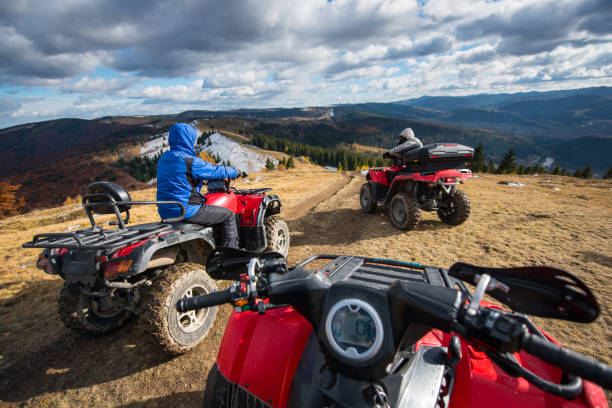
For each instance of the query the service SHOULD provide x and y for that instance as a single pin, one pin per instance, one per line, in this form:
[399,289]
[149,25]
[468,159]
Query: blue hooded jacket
[180,173]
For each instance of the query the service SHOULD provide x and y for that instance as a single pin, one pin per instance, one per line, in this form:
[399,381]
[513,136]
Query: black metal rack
[96,237]
[381,272]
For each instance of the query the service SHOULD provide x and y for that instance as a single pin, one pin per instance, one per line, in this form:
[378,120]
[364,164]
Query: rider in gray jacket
[407,142]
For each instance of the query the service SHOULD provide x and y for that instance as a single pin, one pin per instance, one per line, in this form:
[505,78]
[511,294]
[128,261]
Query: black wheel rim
[398,211]
[450,209]
[365,201]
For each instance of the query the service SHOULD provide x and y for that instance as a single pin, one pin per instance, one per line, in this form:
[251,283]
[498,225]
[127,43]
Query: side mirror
[537,290]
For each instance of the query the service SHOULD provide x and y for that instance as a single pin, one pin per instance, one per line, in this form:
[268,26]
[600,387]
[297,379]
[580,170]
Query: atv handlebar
[444,308]
[568,360]
[198,302]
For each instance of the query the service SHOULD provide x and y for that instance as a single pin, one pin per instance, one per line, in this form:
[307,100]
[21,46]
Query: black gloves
[386,155]
[242,174]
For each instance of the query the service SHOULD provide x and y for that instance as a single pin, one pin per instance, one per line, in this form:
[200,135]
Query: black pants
[211,215]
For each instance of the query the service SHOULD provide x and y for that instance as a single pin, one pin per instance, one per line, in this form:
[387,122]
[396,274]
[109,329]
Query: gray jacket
[410,144]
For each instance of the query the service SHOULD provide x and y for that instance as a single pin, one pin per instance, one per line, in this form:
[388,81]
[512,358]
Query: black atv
[113,274]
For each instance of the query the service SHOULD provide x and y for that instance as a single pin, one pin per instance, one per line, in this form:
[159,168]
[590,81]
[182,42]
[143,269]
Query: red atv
[427,180]
[367,332]
[112,274]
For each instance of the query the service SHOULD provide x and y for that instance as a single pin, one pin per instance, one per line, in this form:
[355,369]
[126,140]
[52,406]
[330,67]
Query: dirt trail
[307,204]
[568,227]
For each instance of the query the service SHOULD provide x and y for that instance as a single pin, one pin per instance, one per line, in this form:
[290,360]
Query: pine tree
[586,172]
[556,170]
[578,172]
[269,164]
[521,169]
[477,163]
[491,167]
[290,163]
[608,173]
[507,163]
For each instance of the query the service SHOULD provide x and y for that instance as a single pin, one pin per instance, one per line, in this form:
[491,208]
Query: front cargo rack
[381,272]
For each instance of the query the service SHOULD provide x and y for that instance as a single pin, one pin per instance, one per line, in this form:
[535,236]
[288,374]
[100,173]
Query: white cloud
[263,54]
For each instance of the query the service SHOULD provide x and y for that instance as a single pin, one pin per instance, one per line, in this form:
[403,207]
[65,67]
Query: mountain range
[573,127]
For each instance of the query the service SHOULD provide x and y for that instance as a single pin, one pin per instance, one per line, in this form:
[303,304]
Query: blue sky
[87,59]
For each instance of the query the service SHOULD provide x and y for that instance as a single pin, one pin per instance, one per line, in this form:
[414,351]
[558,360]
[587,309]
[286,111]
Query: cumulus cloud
[202,53]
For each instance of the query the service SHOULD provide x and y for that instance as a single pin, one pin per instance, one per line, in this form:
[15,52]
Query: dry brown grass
[536,224]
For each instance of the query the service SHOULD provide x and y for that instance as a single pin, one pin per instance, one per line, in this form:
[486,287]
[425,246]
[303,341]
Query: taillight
[128,249]
[448,180]
[58,251]
[113,268]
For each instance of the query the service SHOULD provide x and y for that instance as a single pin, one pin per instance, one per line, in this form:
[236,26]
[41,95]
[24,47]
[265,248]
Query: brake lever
[484,284]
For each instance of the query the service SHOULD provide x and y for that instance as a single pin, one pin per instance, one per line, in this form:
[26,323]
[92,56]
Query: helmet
[406,134]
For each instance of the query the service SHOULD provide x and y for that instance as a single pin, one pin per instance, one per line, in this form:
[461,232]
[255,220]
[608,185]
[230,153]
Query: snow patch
[155,146]
[511,184]
[241,157]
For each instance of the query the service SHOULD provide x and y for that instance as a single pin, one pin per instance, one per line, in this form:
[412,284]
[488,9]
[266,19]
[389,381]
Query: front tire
[175,332]
[92,316]
[277,235]
[366,199]
[456,209]
[404,211]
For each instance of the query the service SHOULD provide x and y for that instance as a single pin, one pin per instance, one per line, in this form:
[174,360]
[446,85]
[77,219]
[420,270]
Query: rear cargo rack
[96,238]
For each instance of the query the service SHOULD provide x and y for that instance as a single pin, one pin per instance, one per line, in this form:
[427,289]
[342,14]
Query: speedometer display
[354,329]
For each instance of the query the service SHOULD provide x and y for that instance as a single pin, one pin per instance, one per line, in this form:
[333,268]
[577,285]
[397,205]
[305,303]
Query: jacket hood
[182,138]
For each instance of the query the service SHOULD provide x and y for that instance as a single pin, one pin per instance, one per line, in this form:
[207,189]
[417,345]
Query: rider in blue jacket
[179,178]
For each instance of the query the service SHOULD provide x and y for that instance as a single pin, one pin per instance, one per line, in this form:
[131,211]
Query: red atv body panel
[380,175]
[260,353]
[248,208]
[246,205]
[225,200]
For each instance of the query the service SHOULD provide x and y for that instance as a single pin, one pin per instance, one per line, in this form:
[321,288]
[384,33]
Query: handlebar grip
[202,301]
[569,361]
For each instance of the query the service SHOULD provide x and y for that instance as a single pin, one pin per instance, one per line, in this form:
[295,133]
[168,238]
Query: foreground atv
[112,274]
[371,332]
[427,181]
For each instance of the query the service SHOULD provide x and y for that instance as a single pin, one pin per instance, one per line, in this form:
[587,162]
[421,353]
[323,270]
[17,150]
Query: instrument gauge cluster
[354,329]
